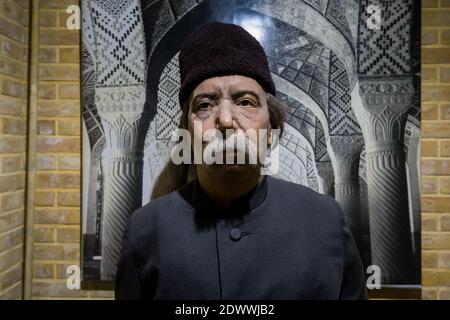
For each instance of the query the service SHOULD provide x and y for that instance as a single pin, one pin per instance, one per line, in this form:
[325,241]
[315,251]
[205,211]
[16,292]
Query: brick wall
[13,127]
[436,149]
[58,179]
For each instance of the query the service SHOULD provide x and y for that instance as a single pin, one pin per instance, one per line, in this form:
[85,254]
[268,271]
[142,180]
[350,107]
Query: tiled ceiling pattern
[299,117]
[301,59]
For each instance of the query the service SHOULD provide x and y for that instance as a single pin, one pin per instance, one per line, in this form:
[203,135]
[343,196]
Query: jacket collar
[246,203]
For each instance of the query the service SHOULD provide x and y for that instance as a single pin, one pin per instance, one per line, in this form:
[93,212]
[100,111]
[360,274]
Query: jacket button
[235,234]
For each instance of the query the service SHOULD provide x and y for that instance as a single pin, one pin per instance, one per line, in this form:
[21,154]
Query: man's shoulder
[161,208]
[298,192]
[304,199]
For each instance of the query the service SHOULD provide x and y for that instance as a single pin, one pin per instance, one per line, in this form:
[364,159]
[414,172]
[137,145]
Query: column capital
[395,92]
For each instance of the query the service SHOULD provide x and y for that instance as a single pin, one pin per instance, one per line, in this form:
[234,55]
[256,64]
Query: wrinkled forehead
[228,85]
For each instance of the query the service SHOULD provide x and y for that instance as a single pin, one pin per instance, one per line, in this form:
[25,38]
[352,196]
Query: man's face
[229,102]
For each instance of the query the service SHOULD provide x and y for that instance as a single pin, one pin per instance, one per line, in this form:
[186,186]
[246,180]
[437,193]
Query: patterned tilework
[341,117]
[168,110]
[301,59]
[299,117]
[387,50]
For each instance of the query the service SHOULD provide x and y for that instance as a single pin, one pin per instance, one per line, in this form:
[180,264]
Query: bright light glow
[254,27]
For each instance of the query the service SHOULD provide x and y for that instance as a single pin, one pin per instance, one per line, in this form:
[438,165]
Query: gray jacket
[281,241]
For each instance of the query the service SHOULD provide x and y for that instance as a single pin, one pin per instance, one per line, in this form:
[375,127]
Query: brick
[11,238]
[445,74]
[69,199]
[47,91]
[445,36]
[14,88]
[46,127]
[12,144]
[429,222]
[11,257]
[48,18]
[435,278]
[429,259]
[70,235]
[45,162]
[13,164]
[13,68]
[58,180]
[429,74]
[58,109]
[430,36]
[12,106]
[11,220]
[44,234]
[445,185]
[431,167]
[445,111]
[69,126]
[103,294]
[12,30]
[56,252]
[444,260]
[435,18]
[13,201]
[430,112]
[58,144]
[12,293]
[445,148]
[445,3]
[445,223]
[11,276]
[16,126]
[435,55]
[13,11]
[57,216]
[444,294]
[55,289]
[47,55]
[12,182]
[69,91]
[59,73]
[69,162]
[44,199]
[61,269]
[429,294]
[429,185]
[435,204]
[69,55]
[429,3]
[57,4]
[435,241]
[435,130]
[59,37]
[14,50]
[435,93]
[43,270]
[429,148]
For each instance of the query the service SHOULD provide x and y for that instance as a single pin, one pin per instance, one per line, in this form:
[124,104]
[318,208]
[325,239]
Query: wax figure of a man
[232,233]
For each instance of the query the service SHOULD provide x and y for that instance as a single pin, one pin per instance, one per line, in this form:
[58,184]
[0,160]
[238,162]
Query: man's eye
[204,106]
[246,103]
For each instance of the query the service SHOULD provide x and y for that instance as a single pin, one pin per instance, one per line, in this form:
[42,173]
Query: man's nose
[225,115]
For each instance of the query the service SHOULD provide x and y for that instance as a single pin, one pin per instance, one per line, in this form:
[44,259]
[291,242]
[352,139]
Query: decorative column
[386,101]
[113,31]
[347,150]
[326,177]
[125,133]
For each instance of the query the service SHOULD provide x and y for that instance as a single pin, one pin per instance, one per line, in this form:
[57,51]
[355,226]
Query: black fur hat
[220,49]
